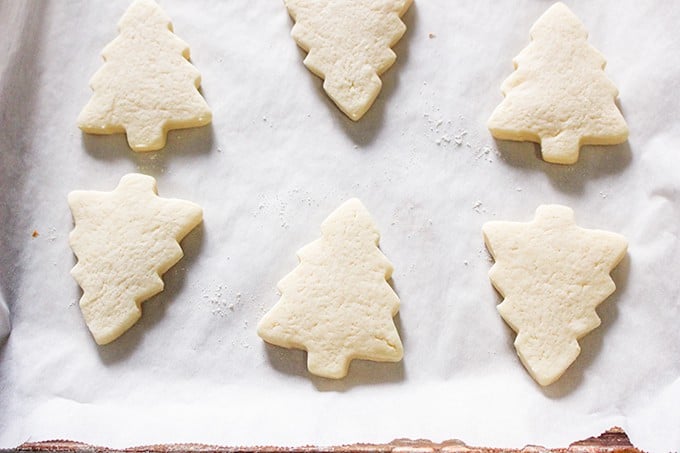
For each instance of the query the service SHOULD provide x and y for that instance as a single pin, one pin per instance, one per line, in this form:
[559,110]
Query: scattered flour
[222,300]
[478,208]
[447,134]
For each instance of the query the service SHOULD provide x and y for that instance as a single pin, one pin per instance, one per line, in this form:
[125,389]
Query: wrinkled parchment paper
[278,158]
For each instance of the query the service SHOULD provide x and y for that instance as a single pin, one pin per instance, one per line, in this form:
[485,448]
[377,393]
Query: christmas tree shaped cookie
[559,95]
[124,241]
[552,275]
[348,44]
[147,85]
[336,304]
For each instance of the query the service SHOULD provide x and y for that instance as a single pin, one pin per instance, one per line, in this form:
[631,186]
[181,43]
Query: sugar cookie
[552,275]
[559,95]
[124,241]
[336,304]
[147,85]
[348,45]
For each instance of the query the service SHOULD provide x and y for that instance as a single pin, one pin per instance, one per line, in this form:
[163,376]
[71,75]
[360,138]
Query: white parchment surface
[278,158]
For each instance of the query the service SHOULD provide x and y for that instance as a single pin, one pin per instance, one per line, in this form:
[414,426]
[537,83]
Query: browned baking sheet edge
[614,440]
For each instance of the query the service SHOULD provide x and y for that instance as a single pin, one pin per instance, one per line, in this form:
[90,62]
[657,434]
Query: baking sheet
[278,158]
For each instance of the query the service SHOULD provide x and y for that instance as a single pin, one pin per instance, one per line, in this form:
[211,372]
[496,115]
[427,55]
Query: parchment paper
[278,158]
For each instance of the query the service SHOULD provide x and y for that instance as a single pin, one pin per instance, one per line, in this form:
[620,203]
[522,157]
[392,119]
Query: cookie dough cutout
[552,275]
[124,241]
[336,304]
[559,95]
[147,85]
[349,46]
